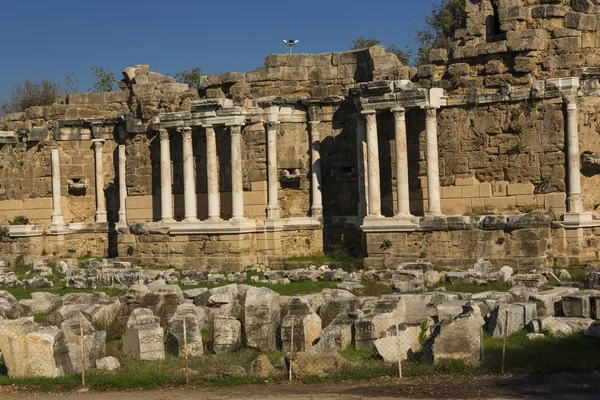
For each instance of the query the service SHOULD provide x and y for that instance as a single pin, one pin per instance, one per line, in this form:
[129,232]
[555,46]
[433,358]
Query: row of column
[212,176]
[370,188]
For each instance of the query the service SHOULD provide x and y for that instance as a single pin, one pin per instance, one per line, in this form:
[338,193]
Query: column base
[382,224]
[316,211]
[59,229]
[579,220]
[214,219]
[101,217]
[273,212]
[191,220]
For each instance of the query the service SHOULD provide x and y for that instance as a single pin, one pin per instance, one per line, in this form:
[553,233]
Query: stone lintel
[396,224]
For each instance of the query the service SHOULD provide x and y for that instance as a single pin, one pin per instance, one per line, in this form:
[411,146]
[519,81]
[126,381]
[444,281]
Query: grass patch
[546,355]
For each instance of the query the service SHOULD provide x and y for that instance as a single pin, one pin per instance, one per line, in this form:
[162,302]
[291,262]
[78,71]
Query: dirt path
[558,387]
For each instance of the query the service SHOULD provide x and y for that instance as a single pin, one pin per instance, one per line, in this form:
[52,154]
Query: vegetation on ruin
[498,287]
[19,220]
[445,18]
[30,94]
[105,80]
[190,76]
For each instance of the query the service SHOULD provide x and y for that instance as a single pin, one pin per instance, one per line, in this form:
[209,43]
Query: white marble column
[100,197]
[189,178]
[402,190]
[433,169]
[57,214]
[316,208]
[361,157]
[574,199]
[122,184]
[212,175]
[166,201]
[237,183]
[272,170]
[373,163]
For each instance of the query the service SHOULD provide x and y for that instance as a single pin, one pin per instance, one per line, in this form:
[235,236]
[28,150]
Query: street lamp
[291,43]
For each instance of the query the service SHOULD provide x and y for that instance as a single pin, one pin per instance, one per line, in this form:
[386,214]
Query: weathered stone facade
[490,151]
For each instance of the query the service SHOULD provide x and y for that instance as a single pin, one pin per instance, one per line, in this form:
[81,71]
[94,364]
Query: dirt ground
[565,386]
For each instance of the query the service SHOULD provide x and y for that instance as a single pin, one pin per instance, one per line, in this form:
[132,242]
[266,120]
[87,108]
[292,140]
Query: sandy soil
[566,386]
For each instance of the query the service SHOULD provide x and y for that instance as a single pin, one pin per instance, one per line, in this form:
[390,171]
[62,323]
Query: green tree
[28,94]
[440,25]
[362,43]
[71,83]
[105,80]
[190,76]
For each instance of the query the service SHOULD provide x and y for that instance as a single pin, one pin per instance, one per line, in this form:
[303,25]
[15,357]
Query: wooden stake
[185,352]
[82,352]
[291,348]
[399,348]
[504,343]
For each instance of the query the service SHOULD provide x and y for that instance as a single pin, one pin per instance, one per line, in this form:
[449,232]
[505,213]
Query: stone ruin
[488,151]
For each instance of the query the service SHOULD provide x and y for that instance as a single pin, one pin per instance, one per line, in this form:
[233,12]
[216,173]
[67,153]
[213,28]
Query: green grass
[323,259]
[499,287]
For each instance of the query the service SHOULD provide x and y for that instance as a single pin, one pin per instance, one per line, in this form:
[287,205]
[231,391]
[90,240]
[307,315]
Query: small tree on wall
[190,76]
[30,94]
[105,80]
[362,43]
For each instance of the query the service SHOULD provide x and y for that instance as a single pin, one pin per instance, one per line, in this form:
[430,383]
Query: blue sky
[47,39]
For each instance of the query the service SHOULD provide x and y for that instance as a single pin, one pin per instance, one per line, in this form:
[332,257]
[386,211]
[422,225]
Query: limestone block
[109,363]
[458,339]
[560,326]
[402,346]
[373,326]
[40,303]
[9,306]
[579,304]
[334,337]
[448,310]
[261,318]
[94,342]
[519,315]
[227,335]
[32,351]
[175,334]
[143,338]
[315,364]
[336,302]
[262,367]
[580,21]
[306,324]
[548,301]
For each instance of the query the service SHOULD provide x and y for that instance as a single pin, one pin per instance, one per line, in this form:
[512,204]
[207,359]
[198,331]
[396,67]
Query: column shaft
[315,154]
[212,175]
[166,201]
[402,190]
[100,197]
[272,170]
[574,199]
[237,183]
[361,156]
[122,184]
[189,179]
[57,214]
[373,164]
[433,170]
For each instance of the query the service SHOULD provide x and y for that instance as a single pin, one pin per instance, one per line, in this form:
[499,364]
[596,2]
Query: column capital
[98,144]
[164,134]
[368,112]
[210,130]
[272,124]
[399,112]
[570,100]
[186,132]
[314,123]
[430,111]
[235,129]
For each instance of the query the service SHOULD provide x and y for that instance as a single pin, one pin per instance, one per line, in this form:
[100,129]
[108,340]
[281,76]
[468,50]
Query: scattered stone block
[175,336]
[306,324]
[108,363]
[261,319]
[143,338]
[227,335]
